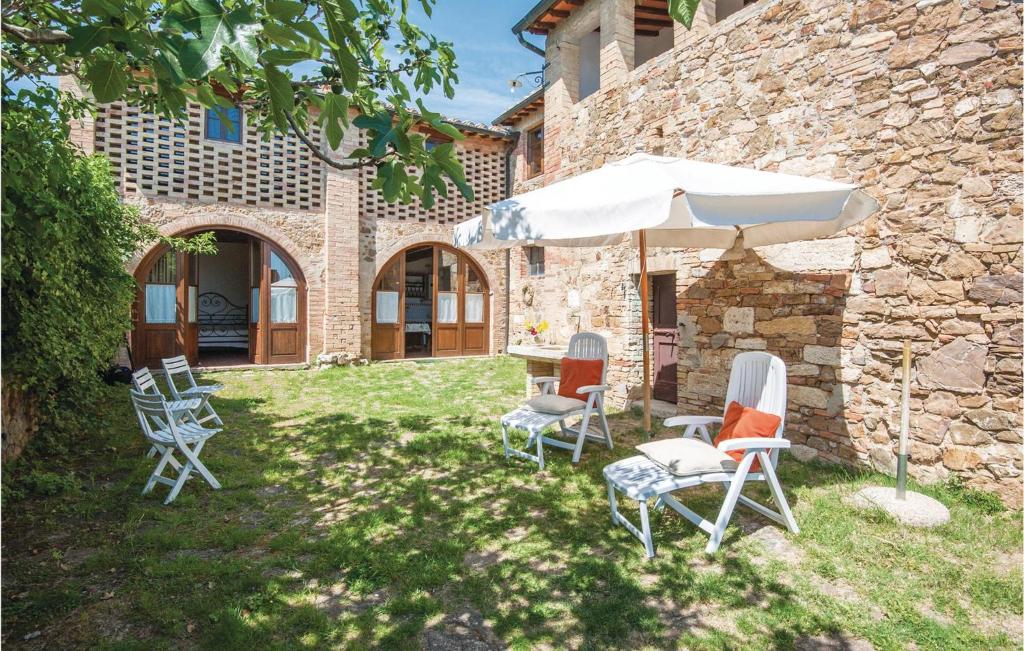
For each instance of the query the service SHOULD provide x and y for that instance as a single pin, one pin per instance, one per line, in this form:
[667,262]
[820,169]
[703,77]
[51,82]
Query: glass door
[448,307]
[387,312]
[255,305]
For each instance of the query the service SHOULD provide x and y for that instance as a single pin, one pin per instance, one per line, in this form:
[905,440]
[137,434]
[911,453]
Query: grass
[372,507]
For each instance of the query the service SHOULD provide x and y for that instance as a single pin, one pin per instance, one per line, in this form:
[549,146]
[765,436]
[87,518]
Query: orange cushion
[578,373]
[744,422]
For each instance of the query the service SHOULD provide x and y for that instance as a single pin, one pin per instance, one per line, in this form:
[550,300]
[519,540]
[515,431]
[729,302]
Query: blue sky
[487,52]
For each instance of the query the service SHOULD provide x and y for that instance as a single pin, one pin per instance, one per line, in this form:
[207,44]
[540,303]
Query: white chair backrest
[152,412]
[177,366]
[589,345]
[143,382]
[758,380]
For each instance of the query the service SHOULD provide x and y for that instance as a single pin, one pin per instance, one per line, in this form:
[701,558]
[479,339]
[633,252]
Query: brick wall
[920,104]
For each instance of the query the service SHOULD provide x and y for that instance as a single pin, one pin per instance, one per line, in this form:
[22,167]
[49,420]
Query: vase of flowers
[533,331]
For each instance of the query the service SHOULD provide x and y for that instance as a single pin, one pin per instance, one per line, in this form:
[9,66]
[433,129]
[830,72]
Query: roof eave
[518,106]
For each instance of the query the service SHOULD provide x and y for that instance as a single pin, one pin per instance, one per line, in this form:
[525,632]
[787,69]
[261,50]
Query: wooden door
[447,327]
[188,306]
[156,333]
[387,312]
[475,311]
[256,292]
[285,302]
[666,338]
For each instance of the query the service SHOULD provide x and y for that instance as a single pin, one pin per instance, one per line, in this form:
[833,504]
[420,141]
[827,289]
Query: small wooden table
[540,361]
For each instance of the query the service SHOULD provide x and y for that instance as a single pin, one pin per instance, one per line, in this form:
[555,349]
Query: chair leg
[167,457]
[504,438]
[604,422]
[540,449]
[729,504]
[645,529]
[193,459]
[612,502]
[582,436]
[182,476]
[777,494]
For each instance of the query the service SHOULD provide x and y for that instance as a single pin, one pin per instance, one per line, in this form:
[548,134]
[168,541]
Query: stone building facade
[917,102]
[330,224]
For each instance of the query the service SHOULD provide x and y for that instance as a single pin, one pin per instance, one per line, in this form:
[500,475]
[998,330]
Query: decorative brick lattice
[157,157]
[484,167]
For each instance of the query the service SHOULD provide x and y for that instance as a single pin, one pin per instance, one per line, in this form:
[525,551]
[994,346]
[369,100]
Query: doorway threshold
[214,368]
[430,359]
[659,408]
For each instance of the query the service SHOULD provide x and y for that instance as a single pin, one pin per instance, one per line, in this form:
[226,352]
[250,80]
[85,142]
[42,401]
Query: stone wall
[918,102]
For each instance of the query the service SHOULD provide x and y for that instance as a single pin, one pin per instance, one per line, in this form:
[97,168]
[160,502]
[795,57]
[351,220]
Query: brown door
[156,333]
[474,311]
[387,312]
[447,337]
[285,308]
[188,306]
[256,345]
[666,338]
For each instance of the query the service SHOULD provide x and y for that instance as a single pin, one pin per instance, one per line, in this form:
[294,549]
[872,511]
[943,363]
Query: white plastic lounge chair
[757,380]
[143,382]
[163,430]
[179,366]
[557,409]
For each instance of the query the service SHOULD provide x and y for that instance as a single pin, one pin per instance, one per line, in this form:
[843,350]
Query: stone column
[617,41]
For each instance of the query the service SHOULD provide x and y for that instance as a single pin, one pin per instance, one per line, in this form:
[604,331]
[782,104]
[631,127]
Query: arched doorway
[245,304]
[430,300]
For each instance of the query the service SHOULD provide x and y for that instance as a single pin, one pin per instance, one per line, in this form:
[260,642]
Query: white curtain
[254,306]
[387,307]
[160,303]
[283,302]
[474,308]
[447,307]
[193,304]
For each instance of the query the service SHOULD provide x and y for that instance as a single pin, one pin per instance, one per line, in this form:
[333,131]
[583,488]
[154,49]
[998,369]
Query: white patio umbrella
[669,202]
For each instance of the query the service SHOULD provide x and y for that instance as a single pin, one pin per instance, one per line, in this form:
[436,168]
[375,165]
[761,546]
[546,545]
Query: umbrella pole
[645,322]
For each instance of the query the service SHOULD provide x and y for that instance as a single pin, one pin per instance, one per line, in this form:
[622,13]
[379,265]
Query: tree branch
[365,162]
[18,65]
[36,36]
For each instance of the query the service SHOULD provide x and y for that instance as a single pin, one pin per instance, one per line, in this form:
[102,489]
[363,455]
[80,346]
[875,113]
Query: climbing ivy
[66,238]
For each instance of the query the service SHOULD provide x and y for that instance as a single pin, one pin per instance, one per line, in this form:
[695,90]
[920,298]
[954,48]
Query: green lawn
[372,507]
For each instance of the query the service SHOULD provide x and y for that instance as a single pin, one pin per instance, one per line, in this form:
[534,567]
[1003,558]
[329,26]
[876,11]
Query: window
[534,152]
[448,287]
[225,125]
[590,64]
[161,290]
[535,260]
[431,143]
[726,8]
[387,296]
[284,292]
[474,296]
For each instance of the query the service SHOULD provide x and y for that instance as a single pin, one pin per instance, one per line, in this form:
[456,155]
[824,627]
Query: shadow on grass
[408,529]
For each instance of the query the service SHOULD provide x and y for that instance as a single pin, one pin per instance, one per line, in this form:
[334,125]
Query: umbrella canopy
[679,203]
[669,202]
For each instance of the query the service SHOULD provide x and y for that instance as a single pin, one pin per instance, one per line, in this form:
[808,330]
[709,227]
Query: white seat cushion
[684,457]
[554,404]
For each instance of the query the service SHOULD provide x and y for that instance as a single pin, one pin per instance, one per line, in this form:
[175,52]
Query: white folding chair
[757,380]
[143,382]
[162,428]
[179,366]
[549,408]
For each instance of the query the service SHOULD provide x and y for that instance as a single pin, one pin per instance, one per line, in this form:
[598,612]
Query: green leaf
[285,10]
[285,57]
[282,99]
[335,16]
[333,116]
[107,79]
[86,38]
[683,11]
[100,8]
[218,29]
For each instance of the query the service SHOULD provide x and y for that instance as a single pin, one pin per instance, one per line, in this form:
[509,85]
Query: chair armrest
[593,388]
[754,443]
[544,379]
[677,421]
